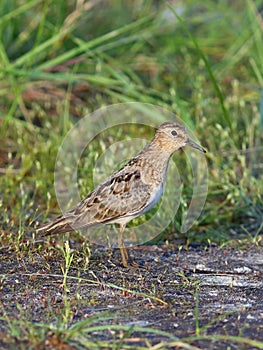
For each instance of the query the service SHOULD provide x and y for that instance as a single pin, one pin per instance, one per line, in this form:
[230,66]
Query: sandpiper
[128,192]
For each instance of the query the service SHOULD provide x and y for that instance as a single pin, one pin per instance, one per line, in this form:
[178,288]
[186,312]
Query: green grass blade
[209,70]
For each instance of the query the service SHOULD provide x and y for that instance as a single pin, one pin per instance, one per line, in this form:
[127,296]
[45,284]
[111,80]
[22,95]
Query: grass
[60,62]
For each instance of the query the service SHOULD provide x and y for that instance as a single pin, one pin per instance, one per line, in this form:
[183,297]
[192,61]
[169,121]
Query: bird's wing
[121,195]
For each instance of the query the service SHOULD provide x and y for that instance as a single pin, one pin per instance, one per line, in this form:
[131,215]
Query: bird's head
[172,136]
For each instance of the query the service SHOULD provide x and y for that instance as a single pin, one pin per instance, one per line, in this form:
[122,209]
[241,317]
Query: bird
[129,192]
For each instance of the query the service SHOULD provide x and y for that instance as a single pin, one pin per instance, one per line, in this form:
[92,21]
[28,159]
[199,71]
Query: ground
[187,294]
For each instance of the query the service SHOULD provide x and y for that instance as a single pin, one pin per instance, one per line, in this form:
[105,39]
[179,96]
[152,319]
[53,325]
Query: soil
[184,293]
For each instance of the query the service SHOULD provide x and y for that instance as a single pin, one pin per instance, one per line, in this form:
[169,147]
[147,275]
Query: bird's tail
[60,225]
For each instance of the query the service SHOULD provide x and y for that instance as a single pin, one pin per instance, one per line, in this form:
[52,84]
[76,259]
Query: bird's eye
[174,133]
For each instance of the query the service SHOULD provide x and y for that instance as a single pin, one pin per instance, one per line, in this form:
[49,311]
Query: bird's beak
[195,145]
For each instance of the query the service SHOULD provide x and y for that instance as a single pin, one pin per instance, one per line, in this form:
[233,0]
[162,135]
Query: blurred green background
[201,60]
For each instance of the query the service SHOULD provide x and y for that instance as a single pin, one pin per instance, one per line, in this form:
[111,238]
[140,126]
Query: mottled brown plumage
[130,191]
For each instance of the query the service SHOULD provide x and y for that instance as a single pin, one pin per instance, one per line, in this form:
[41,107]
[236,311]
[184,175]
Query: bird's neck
[157,160]
[157,152]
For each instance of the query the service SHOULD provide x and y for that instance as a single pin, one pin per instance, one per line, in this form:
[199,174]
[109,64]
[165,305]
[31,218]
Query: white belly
[154,199]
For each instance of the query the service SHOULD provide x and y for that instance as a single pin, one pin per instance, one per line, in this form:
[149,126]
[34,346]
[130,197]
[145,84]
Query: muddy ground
[207,290]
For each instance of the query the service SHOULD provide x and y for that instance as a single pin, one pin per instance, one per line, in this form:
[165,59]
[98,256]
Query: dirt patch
[186,295]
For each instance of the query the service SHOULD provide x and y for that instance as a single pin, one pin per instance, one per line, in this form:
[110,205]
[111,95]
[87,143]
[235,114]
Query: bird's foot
[132,264]
[128,262]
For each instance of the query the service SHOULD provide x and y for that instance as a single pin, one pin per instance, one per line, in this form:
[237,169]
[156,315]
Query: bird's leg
[124,254]
[125,258]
